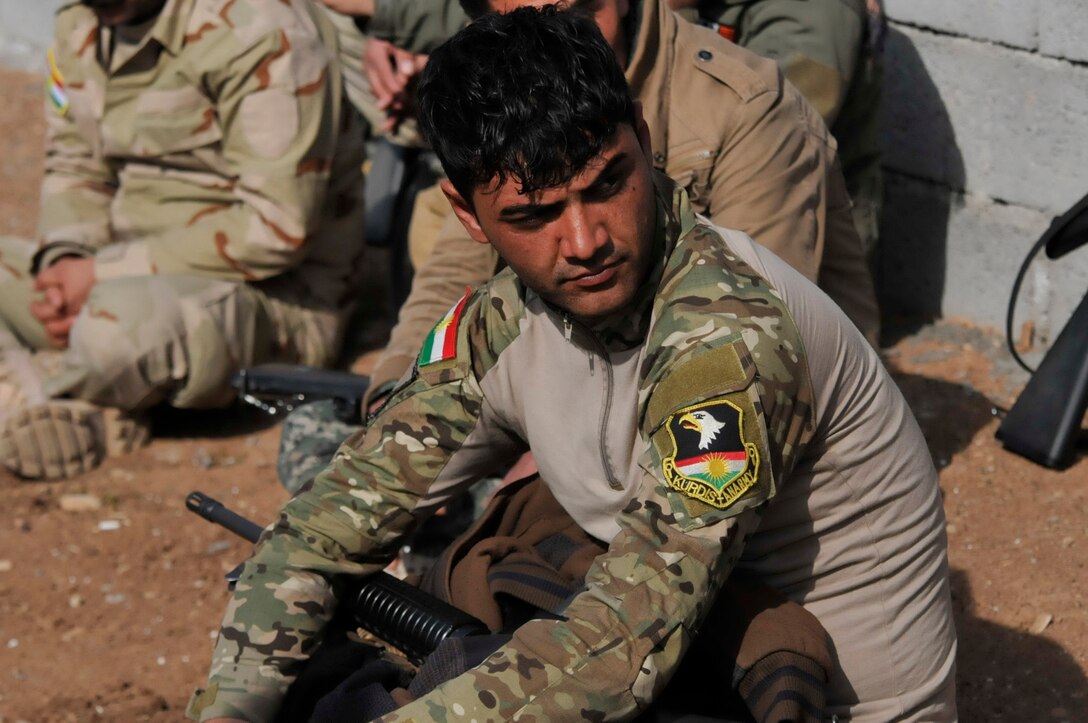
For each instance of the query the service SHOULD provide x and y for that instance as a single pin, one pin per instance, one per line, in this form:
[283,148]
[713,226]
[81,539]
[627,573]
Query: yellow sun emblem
[717,466]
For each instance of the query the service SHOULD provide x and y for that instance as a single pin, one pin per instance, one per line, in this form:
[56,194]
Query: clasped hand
[63,290]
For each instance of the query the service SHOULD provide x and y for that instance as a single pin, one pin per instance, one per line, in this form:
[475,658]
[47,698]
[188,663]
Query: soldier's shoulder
[502,302]
[497,310]
[72,14]
[710,265]
[702,53]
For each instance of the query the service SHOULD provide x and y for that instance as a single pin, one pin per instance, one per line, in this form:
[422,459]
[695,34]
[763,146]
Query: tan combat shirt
[218,145]
[731,418]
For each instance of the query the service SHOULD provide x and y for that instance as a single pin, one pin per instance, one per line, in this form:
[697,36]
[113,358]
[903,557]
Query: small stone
[203,459]
[75,600]
[69,635]
[123,475]
[1042,622]
[216,547]
[168,456]
[13,643]
[115,598]
[6,565]
[109,525]
[80,503]
[1067,541]
[160,660]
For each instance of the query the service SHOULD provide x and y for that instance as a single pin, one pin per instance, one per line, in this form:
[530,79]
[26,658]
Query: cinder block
[1063,29]
[1010,22]
[996,122]
[948,254]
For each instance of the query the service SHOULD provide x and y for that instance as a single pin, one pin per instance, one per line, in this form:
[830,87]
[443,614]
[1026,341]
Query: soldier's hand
[49,309]
[64,288]
[74,275]
[390,72]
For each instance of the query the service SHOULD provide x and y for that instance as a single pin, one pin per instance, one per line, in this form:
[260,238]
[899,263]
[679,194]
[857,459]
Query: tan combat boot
[49,439]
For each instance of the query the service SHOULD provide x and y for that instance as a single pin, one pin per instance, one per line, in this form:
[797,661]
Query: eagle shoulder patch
[710,460]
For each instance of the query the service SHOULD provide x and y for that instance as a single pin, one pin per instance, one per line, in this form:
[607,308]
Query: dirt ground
[107,612]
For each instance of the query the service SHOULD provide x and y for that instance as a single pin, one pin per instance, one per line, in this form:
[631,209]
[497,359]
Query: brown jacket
[762,162]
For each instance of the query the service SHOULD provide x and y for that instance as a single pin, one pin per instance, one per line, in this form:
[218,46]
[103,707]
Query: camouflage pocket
[173,120]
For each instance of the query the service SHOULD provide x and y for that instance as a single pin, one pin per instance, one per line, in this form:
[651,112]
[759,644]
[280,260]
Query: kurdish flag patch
[54,87]
[441,343]
[711,461]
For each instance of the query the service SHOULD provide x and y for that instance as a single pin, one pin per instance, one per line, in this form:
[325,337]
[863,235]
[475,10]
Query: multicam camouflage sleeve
[350,521]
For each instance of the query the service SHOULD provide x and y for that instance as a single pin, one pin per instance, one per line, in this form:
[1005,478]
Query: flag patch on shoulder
[54,87]
[441,343]
[710,460]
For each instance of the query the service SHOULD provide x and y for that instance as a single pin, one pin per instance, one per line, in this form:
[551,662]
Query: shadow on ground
[1008,674]
[949,414]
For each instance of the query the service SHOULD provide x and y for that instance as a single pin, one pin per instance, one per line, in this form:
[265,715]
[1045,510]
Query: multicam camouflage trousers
[311,435]
[142,340]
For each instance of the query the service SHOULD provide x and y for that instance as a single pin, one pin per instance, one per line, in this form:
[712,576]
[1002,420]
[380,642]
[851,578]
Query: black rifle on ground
[398,613]
[1044,425]
[279,388]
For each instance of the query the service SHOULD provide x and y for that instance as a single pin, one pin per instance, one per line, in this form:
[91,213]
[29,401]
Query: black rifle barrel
[400,614]
[213,510]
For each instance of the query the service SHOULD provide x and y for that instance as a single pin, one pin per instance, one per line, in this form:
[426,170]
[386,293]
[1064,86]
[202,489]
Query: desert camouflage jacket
[214,143]
[661,433]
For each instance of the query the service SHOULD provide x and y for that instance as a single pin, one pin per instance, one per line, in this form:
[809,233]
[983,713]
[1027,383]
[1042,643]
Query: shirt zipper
[568,328]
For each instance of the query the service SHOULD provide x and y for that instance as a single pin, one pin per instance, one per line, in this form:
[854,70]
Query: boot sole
[62,438]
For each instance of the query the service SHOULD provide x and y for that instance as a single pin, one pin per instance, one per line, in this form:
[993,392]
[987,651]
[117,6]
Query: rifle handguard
[413,621]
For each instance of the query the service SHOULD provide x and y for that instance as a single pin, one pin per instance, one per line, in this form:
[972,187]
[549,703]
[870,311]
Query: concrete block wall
[985,131]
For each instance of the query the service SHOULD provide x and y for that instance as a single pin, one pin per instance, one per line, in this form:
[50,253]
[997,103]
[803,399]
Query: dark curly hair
[535,94]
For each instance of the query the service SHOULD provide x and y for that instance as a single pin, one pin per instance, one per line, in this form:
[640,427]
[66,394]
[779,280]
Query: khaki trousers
[142,340]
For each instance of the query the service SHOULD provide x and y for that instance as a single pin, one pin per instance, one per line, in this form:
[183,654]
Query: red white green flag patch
[711,461]
[441,343]
[54,87]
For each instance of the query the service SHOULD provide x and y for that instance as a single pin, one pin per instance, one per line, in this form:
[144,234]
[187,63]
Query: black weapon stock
[277,388]
[400,614]
[1044,424]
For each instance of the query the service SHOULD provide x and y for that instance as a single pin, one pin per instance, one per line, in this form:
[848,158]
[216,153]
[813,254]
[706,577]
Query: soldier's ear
[464,211]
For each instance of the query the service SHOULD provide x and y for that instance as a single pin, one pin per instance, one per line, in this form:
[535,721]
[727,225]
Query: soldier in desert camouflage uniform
[691,400]
[200,212]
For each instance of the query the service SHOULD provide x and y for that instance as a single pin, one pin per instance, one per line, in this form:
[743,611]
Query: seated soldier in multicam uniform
[748,148]
[201,212]
[691,400]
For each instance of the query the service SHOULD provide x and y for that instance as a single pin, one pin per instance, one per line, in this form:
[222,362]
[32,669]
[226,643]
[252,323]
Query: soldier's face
[608,14]
[585,246]
[124,12]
